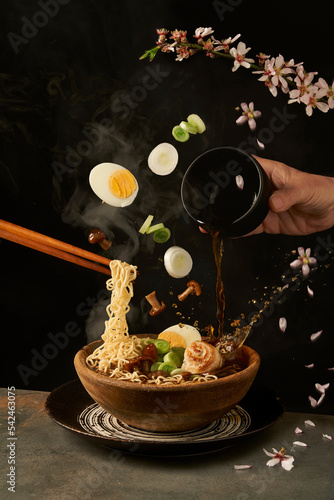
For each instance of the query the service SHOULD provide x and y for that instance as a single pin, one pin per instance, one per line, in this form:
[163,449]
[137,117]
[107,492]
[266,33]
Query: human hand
[301,203]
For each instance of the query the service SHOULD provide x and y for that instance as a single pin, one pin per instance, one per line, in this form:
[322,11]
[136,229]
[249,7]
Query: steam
[157,195]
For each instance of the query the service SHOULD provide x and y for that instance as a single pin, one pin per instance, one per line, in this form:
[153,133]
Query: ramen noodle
[118,346]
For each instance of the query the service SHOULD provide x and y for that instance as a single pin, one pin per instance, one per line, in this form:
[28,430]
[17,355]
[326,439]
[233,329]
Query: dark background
[73,95]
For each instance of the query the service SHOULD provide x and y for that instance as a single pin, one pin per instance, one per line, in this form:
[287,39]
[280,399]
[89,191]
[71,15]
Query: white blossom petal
[299,443]
[311,365]
[305,270]
[327,436]
[252,124]
[288,463]
[241,120]
[272,462]
[295,264]
[239,180]
[282,324]
[269,453]
[313,402]
[260,144]
[315,336]
[242,467]
[298,430]
[310,292]
[322,388]
[310,423]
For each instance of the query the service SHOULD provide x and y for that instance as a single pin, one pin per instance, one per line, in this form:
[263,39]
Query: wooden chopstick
[51,246]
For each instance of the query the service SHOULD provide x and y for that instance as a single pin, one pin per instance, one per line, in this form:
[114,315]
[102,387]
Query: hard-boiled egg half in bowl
[113,184]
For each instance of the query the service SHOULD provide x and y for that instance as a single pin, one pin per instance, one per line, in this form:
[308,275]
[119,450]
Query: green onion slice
[188,127]
[146,224]
[197,122]
[162,346]
[167,367]
[162,235]
[180,134]
[154,228]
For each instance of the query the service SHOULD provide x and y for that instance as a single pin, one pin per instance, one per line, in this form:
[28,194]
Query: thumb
[281,200]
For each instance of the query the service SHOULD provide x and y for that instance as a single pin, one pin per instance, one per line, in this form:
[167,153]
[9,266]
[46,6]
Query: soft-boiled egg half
[113,184]
[180,335]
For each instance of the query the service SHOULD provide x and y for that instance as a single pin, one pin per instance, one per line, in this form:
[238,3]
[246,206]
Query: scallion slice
[180,134]
[146,224]
[154,228]
[188,127]
[162,235]
[197,122]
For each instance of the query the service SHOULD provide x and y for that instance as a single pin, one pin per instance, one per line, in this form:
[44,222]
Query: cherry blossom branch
[276,73]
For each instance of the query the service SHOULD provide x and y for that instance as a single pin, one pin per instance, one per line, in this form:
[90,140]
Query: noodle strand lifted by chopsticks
[118,346]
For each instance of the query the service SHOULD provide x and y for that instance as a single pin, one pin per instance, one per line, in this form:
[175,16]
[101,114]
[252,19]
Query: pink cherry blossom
[312,99]
[321,83]
[303,81]
[279,457]
[304,261]
[202,32]
[248,115]
[225,44]
[239,56]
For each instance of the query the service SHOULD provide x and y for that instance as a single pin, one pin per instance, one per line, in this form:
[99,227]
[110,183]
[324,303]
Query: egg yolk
[122,183]
[175,339]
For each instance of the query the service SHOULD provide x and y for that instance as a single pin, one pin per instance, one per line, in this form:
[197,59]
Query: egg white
[98,180]
[188,332]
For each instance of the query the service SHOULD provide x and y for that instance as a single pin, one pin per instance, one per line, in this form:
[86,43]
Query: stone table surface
[54,463]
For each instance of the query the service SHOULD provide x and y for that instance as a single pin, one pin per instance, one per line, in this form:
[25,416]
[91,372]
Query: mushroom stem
[192,288]
[157,308]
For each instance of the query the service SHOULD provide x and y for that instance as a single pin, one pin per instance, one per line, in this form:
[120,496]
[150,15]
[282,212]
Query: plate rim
[112,442]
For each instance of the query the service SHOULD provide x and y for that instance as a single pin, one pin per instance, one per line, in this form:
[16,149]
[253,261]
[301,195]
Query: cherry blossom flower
[304,261]
[239,56]
[262,58]
[281,69]
[248,115]
[202,32]
[321,83]
[275,72]
[182,53]
[225,44]
[312,100]
[279,457]
[179,35]
[267,73]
